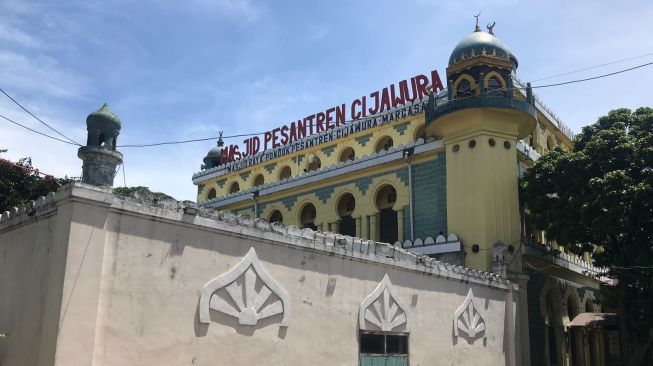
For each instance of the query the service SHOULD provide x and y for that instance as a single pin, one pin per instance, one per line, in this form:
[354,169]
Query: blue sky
[174,70]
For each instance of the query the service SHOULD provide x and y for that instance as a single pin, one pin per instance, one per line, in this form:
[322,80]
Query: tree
[600,194]
[21,183]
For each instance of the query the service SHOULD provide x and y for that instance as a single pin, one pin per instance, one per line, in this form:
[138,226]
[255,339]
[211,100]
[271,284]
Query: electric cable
[38,119]
[593,67]
[312,124]
[38,132]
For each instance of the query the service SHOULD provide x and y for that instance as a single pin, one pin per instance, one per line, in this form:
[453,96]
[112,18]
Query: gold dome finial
[490,27]
[478,29]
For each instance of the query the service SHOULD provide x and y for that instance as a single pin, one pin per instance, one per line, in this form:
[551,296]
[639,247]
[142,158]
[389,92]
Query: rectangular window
[385,349]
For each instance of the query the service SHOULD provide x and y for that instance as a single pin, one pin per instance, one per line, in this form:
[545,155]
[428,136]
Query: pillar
[400,225]
[358,227]
[335,227]
[373,228]
[365,228]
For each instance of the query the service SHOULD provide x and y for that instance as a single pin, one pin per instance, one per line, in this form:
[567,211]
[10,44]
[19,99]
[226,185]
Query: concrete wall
[133,275]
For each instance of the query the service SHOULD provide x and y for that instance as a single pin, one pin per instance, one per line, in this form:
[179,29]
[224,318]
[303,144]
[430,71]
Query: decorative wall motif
[239,287]
[468,318]
[383,309]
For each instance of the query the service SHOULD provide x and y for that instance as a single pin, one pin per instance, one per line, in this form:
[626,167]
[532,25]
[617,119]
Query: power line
[35,131]
[593,67]
[594,77]
[38,119]
[312,124]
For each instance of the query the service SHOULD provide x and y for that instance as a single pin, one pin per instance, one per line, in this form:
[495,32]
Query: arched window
[211,194]
[276,216]
[234,187]
[464,89]
[346,206]
[258,181]
[101,140]
[494,87]
[314,163]
[285,173]
[385,201]
[307,216]
[347,154]
[384,143]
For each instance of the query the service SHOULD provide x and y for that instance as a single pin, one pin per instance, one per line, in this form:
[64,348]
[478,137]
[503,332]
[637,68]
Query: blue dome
[474,44]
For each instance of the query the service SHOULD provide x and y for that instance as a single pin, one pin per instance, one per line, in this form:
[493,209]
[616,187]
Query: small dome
[103,117]
[474,45]
[215,152]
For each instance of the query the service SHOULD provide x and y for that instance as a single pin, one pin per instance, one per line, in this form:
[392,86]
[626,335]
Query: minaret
[100,156]
[480,121]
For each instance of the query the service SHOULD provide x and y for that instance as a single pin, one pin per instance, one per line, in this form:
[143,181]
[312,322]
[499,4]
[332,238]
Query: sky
[176,70]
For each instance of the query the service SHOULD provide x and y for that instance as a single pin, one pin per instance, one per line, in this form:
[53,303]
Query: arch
[347,154]
[234,187]
[383,143]
[378,183]
[270,208]
[285,172]
[388,225]
[575,344]
[501,87]
[549,143]
[345,206]
[275,216]
[101,140]
[258,180]
[313,163]
[307,216]
[212,193]
[473,88]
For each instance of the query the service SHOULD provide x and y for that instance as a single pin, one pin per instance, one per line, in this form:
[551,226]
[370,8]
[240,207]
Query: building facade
[436,175]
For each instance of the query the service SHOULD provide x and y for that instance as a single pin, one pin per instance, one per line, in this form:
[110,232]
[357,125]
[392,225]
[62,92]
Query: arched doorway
[385,201]
[276,216]
[594,340]
[307,216]
[574,345]
[552,343]
[346,206]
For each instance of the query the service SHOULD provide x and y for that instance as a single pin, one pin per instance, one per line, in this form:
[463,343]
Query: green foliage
[21,183]
[141,192]
[601,194]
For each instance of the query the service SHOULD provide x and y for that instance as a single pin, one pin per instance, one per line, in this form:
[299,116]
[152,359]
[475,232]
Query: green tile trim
[298,159]
[363,184]
[200,188]
[244,176]
[270,167]
[324,193]
[363,140]
[402,127]
[328,150]
[221,183]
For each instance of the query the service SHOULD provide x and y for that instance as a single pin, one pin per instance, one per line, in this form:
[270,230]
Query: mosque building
[435,173]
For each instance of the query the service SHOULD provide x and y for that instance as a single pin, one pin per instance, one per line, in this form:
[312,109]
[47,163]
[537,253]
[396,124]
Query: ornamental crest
[382,310]
[246,292]
[468,319]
